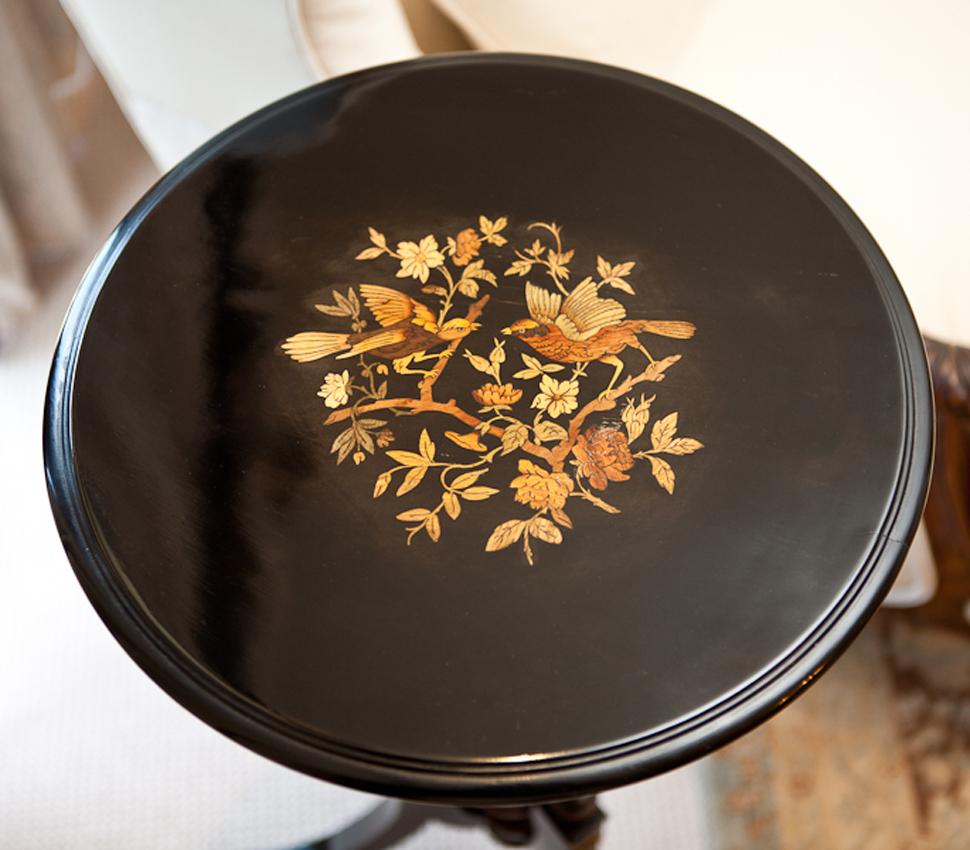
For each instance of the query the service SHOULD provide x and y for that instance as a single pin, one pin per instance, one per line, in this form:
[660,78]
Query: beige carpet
[876,756]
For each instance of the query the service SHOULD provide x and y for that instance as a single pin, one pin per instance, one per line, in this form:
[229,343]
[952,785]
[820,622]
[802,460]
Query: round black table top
[488,428]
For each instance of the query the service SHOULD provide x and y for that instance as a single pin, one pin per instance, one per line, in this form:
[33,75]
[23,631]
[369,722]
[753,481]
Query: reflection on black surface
[224,597]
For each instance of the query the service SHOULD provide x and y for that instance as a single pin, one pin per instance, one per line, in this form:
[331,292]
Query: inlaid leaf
[331,310]
[623,286]
[505,534]
[560,516]
[343,303]
[474,268]
[468,287]
[532,362]
[466,479]
[381,484]
[413,515]
[663,472]
[663,431]
[547,432]
[526,374]
[411,480]
[636,416]
[490,229]
[683,446]
[426,446]
[377,237]
[407,458]
[452,505]
[364,439]
[433,527]
[344,444]
[612,274]
[558,263]
[478,362]
[545,529]
[478,493]
[519,267]
[477,271]
[354,300]
[534,368]
[371,253]
[515,435]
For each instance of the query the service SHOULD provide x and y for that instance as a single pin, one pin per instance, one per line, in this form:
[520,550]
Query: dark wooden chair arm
[947,512]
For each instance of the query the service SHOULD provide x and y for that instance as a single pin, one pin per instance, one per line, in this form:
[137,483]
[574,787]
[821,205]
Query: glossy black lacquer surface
[265,588]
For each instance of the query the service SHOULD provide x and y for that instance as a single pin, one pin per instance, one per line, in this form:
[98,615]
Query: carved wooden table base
[570,825]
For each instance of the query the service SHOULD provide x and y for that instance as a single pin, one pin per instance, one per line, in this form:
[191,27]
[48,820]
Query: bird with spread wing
[408,331]
[585,326]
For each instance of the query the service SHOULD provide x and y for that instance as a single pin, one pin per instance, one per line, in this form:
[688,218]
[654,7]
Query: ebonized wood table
[488,431]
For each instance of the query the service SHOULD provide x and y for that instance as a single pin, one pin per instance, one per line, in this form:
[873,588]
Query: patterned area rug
[876,756]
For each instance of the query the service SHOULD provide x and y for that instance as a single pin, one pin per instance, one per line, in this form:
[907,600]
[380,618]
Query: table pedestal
[569,825]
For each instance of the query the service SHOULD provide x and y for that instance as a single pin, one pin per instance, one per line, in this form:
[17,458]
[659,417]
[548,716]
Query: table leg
[576,822]
[572,825]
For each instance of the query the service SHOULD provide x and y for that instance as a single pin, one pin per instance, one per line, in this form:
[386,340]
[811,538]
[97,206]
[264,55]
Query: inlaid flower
[418,258]
[540,489]
[496,395]
[556,397]
[604,455]
[334,390]
[467,246]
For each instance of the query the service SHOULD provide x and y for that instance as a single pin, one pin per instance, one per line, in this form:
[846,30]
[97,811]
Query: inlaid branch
[654,372]
[426,386]
[449,408]
[556,455]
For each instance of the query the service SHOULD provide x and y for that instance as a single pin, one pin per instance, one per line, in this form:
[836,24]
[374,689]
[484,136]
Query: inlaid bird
[408,331]
[585,326]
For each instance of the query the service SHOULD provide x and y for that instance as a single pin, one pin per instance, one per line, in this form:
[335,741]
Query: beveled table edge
[519,779]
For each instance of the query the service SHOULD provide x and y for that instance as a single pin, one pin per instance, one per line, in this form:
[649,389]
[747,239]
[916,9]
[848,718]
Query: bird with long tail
[407,333]
[585,327]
